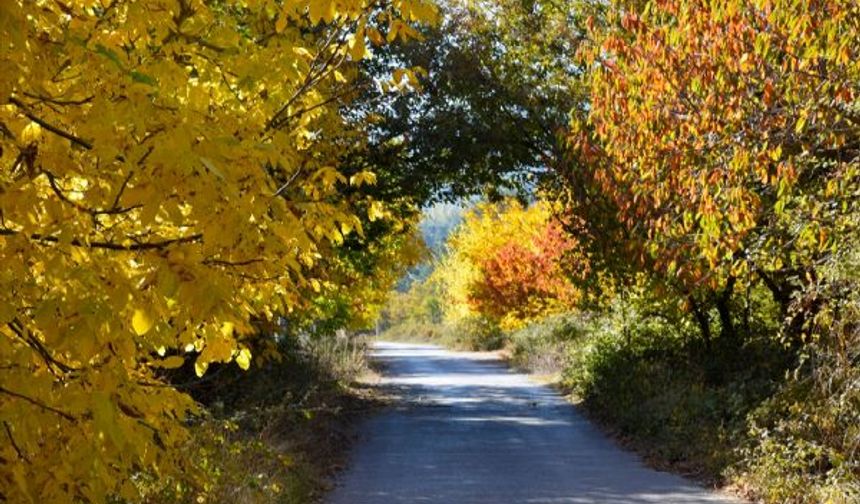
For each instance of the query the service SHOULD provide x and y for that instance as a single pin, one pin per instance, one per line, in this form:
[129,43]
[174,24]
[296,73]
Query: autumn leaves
[169,177]
[506,263]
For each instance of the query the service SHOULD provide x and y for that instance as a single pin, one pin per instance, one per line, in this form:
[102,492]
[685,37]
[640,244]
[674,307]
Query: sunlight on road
[468,430]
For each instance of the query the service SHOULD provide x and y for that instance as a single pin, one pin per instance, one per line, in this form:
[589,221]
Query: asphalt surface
[469,430]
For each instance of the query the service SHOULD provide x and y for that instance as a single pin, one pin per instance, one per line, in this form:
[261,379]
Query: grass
[725,416]
[472,334]
[276,433]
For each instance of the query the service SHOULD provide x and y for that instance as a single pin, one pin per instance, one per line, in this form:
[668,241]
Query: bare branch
[13,443]
[27,337]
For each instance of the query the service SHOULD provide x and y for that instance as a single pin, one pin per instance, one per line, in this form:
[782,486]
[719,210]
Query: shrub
[412,331]
[474,333]
[651,379]
[268,434]
[542,347]
[804,444]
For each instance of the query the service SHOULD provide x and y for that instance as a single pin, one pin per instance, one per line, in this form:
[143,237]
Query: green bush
[542,347]
[473,333]
[271,433]
[652,379]
[647,388]
[804,444]
[779,420]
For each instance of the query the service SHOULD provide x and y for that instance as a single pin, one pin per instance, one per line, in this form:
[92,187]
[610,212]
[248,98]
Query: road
[469,430]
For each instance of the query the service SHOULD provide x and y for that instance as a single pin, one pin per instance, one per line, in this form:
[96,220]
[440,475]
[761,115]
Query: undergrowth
[470,333]
[271,434]
[778,424]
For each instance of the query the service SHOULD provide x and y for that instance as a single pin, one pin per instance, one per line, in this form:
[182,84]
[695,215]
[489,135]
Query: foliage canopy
[169,176]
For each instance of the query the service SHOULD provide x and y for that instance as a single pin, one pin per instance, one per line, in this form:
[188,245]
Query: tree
[494,103]
[719,134]
[524,279]
[168,174]
[505,263]
[357,280]
[720,121]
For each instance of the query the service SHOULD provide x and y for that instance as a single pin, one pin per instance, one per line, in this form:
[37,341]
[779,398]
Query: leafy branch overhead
[168,177]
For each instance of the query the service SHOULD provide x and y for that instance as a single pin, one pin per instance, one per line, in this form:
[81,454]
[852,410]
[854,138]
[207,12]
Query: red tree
[525,280]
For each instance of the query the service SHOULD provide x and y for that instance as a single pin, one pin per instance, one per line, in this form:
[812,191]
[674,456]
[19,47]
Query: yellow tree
[504,263]
[358,280]
[168,170]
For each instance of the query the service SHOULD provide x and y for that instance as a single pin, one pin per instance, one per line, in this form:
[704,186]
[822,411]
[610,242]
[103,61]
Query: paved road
[468,430]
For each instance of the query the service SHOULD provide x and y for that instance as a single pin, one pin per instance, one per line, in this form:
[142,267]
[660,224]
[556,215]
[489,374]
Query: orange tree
[169,172]
[523,278]
[504,263]
[721,141]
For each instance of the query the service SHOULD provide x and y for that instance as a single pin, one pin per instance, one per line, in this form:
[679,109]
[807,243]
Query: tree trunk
[781,294]
[727,325]
[703,320]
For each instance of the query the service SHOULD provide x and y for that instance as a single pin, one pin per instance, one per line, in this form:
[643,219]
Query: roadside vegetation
[274,433]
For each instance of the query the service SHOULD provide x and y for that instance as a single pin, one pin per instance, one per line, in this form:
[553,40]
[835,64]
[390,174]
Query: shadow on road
[468,430]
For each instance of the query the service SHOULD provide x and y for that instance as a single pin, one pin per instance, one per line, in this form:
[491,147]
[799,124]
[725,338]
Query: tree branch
[39,404]
[110,245]
[221,262]
[55,101]
[14,444]
[50,127]
[114,210]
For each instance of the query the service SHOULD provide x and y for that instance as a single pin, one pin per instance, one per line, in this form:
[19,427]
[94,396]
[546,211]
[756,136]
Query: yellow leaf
[303,52]
[211,167]
[31,133]
[243,359]
[7,312]
[801,122]
[171,362]
[357,47]
[105,418]
[281,23]
[141,322]
[393,28]
[375,212]
[21,481]
[375,36]
[776,153]
[200,367]
[321,10]
[362,177]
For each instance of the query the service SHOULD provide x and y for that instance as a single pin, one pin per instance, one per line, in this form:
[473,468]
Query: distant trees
[505,263]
